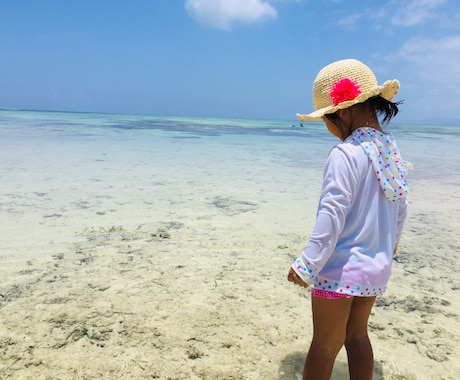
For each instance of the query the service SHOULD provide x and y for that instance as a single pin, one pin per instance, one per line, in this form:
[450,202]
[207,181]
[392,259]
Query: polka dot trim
[305,272]
[352,290]
[310,276]
[386,160]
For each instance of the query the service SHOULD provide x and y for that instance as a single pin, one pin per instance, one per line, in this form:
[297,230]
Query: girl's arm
[339,185]
[402,214]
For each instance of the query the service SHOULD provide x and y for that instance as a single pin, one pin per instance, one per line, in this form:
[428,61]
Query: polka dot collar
[390,169]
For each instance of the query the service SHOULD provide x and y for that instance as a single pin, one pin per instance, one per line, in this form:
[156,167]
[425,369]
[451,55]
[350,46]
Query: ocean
[131,243]
[67,171]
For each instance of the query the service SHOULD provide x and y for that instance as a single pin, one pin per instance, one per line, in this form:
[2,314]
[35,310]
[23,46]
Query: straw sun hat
[343,84]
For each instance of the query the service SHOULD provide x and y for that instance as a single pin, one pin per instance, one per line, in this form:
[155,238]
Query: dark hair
[384,107]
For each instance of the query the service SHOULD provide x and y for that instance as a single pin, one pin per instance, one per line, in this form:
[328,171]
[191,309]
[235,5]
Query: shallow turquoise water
[64,172]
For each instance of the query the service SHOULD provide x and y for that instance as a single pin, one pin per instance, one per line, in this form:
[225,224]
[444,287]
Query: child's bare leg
[330,319]
[357,343]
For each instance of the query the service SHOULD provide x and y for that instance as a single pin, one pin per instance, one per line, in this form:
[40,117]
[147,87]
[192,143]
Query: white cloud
[410,13]
[350,20]
[432,74]
[435,59]
[223,14]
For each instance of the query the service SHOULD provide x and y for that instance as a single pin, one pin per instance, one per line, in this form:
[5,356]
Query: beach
[138,247]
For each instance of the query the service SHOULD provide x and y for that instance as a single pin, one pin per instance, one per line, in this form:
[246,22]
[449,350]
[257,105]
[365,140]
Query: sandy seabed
[201,292]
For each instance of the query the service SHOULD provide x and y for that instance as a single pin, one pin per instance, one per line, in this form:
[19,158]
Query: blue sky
[223,58]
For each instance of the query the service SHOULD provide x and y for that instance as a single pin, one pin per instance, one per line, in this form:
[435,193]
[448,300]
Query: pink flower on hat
[343,90]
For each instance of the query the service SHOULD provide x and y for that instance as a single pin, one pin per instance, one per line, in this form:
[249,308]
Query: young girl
[361,212]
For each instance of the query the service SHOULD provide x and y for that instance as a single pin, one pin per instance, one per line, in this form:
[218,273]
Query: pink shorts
[328,294]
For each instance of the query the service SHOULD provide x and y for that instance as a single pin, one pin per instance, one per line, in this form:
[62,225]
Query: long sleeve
[402,214]
[339,185]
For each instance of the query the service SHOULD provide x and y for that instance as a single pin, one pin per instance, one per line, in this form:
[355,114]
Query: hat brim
[388,90]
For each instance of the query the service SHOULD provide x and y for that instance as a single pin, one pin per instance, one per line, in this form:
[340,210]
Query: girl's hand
[294,277]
